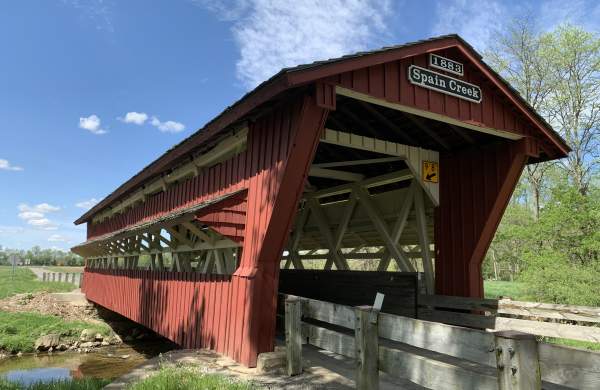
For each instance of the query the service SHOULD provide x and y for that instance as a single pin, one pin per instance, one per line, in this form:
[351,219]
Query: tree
[573,106]
[518,56]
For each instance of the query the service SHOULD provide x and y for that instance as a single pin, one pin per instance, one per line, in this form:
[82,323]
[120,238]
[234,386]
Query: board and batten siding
[238,311]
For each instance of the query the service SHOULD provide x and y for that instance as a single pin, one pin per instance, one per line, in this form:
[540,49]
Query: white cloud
[40,208]
[473,20]
[137,118]
[26,215]
[168,126]
[57,238]
[272,35]
[36,215]
[42,223]
[92,124]
[87,204]
[7,166]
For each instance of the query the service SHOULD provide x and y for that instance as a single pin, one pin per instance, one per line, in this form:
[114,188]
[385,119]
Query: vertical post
[60,277]
[367,348]
[293,335]
[517,361]
[44,277]
[54,276]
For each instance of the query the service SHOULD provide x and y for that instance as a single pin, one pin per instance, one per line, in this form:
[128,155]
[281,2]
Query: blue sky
[92,91]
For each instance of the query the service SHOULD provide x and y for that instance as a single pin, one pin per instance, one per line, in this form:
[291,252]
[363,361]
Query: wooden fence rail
[436,355]
[65,277]
[541,319]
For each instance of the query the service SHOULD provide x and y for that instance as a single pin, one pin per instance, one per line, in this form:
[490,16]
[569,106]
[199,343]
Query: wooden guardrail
[65,277]
[432,354]
[541,319]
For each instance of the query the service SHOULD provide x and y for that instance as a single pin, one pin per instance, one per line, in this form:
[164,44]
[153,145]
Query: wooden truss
[191,248]
[389,228]
[353,226]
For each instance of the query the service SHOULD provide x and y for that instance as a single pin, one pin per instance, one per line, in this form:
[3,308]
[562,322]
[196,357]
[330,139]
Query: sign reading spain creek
[445,84]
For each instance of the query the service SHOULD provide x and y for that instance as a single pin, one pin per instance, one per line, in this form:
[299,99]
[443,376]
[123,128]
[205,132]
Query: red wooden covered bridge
[402,158]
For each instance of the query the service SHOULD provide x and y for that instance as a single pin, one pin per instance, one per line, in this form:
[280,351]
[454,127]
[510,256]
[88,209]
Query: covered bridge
[403,158]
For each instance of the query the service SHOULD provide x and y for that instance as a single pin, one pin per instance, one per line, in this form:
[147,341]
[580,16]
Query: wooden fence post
[44,276]
[367,348]
[517,361]
[293,335]
[54,276]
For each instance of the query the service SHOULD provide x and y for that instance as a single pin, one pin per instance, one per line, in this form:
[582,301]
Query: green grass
[25,281]
[74,384]
[19,331]
[497,288]
[573,343]
[186,377]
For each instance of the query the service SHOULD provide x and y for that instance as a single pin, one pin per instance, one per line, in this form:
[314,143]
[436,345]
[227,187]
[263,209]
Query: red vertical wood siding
[234,315]
[177,305]
[283,148]
[475,188]
[390,82]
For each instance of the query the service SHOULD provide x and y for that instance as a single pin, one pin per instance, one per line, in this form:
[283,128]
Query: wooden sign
[431,171]
[445,84]
[446,64]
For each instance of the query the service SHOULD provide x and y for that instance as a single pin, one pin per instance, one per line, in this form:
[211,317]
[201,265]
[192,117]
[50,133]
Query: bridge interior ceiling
[363,118]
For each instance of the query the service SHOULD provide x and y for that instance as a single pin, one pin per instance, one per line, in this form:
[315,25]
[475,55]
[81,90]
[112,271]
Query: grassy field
[75,384]
[497,288]
[18,331]
[184,377]
[25,281]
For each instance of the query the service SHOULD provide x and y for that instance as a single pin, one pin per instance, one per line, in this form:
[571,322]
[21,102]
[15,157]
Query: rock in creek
[46,342]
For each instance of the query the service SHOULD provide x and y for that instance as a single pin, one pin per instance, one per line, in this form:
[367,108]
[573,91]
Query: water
[108,363]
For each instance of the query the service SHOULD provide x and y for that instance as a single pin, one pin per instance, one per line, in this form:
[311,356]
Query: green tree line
[39,256]
[549,237]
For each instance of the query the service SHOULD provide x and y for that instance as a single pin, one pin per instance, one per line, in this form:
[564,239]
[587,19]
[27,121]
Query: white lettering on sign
[446,64]
[445,84]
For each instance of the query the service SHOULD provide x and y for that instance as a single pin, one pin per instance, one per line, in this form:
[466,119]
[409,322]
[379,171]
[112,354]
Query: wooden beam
[352,163]
[424,241]
[387,123]
[387,178]
[399,225]
[381,227]
[196,231]
[432,134]
[335,174]
[336,257]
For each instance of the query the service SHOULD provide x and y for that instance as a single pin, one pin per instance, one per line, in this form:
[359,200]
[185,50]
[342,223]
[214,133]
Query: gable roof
[296,76]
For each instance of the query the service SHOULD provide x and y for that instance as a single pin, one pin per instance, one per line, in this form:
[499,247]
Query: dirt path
[57,304]
[322,370]
[39,272]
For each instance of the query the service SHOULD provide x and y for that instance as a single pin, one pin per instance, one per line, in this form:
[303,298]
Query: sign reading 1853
[444,84]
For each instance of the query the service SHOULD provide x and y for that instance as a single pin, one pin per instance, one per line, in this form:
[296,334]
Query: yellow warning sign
[431,171]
